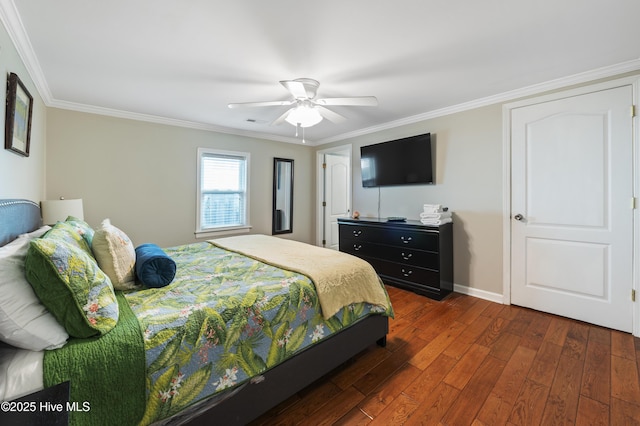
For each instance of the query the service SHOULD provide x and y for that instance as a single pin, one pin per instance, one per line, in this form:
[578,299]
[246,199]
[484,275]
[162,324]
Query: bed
[233,333]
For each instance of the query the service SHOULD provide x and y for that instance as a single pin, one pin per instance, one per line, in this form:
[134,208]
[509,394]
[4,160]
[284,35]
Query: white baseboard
[481,294]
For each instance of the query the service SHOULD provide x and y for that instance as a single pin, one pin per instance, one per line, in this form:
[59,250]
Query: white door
[572,218]
[337,195]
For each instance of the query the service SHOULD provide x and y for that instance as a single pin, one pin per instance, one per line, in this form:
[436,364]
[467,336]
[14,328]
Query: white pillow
[115,254]
[24,321]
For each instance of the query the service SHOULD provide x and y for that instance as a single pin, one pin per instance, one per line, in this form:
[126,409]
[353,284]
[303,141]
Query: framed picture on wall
[17,126]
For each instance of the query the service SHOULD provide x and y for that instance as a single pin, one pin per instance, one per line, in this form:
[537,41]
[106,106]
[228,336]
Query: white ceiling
[182,62]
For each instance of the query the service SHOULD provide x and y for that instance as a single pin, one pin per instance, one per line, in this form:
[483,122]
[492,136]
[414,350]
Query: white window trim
[227,230]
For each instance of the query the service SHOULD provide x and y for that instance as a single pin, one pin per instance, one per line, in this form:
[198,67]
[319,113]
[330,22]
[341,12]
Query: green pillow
[82,228]
[65,231]
[69,283]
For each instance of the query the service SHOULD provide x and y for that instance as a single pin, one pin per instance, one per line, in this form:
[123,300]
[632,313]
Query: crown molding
[11,20]
[13,23]
[110,112]
[535,89]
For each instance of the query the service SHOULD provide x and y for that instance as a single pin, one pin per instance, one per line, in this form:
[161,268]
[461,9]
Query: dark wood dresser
[405,254]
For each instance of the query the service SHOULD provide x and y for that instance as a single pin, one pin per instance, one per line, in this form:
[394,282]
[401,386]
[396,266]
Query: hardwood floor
[467,361]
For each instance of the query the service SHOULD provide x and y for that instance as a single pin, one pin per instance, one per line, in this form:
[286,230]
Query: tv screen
[399,162]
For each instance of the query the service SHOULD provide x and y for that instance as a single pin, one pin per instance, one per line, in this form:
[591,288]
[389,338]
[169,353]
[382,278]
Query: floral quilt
[224,319]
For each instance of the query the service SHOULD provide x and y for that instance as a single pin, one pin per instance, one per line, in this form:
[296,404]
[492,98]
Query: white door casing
[571,225]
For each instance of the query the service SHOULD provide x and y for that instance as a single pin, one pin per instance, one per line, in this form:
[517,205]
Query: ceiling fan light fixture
[306,110]
[304,116]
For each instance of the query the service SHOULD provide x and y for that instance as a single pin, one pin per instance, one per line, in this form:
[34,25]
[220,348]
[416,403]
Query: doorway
[334,193]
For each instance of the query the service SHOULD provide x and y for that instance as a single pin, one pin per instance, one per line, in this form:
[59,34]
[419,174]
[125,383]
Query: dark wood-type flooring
[467,361]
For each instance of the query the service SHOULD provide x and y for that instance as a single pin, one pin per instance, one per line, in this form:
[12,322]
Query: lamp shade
[58,210]
[303,115]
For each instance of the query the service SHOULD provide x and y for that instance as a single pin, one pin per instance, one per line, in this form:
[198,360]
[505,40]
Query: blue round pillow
[154,268]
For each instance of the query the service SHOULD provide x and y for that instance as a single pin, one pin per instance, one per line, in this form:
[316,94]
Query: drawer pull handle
[357,247]
[357,233]
[407,273]
[405,240]
[407,256]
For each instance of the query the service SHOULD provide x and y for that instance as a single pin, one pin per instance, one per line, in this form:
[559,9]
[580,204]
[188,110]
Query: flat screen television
[404,161]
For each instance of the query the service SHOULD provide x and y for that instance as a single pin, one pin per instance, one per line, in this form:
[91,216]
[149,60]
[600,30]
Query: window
[223,195]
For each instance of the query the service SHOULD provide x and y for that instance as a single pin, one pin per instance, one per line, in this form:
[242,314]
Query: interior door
[337,195]
[572,218]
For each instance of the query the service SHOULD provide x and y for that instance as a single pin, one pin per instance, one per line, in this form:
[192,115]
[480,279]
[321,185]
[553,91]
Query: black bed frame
[258,396]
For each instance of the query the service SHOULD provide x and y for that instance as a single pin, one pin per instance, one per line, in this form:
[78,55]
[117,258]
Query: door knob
[519,217]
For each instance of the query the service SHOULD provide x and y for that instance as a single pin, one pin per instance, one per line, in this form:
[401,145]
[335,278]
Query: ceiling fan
[306,110]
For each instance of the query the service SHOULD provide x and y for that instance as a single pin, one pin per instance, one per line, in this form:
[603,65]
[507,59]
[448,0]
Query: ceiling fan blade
[354,101]
[334,117]
[260,104]
[296,88]
[280,119]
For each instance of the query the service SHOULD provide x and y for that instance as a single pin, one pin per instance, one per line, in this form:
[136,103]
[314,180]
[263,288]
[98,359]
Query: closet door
[572,219]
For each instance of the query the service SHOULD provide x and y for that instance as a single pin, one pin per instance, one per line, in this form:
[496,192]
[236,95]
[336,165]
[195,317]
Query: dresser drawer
[408,273]
[420,258]
[394,237]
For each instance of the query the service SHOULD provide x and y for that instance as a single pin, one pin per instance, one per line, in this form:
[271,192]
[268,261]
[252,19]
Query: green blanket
[111,398]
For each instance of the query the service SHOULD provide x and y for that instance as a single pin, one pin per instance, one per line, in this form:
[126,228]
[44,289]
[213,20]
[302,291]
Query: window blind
[223,190]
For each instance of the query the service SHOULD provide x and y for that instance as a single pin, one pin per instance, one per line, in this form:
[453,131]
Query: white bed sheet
[20,372]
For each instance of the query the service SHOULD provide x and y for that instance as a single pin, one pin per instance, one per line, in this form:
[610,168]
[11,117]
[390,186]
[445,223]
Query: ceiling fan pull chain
[303,141]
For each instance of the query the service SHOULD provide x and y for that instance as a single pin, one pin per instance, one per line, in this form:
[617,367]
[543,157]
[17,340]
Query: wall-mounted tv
[404,161]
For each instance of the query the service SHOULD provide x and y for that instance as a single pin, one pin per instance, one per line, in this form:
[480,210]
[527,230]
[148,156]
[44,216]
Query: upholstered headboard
[17,217]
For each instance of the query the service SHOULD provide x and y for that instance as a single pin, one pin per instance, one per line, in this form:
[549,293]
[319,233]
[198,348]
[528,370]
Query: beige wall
[22,177]
[468,166]
[143,175]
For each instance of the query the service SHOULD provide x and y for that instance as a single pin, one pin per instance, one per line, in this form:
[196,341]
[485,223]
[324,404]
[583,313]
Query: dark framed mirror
[282,196]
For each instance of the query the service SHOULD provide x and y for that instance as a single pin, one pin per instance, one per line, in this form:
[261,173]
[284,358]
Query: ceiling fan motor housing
[310,86]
